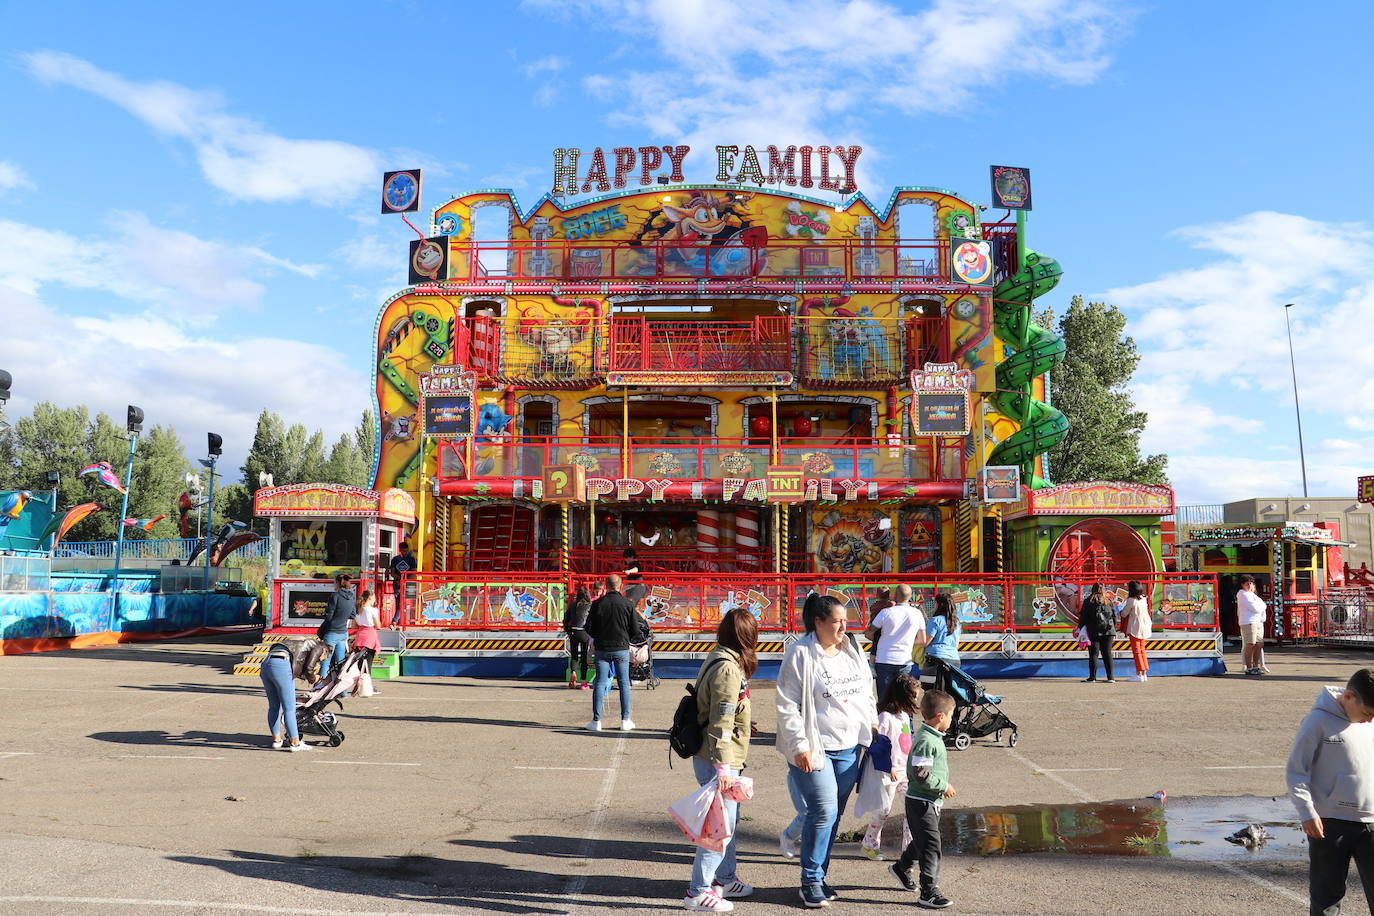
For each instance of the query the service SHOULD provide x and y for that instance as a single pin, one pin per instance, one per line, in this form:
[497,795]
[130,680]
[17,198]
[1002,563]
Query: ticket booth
[1289,563]
[320,530]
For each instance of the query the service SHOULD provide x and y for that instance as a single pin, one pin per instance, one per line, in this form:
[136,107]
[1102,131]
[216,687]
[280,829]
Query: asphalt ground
[138,780]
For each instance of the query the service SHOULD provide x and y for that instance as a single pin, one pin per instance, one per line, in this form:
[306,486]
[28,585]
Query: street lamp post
[215,443]
[6,380]
[134,424]
[54,478]
[1293,364]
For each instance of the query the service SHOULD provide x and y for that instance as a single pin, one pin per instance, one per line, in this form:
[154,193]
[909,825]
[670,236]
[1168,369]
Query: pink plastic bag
[1082,635]
[741,789]
[701,818]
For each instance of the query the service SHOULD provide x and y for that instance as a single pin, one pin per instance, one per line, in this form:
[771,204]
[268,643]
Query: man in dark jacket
[610,625]
[342,608]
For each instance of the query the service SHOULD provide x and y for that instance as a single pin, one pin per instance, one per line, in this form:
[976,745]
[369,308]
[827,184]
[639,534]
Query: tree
[67,439]
[1090,387]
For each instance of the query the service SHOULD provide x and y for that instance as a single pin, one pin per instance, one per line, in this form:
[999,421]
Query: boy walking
[1331,782]
[927,770]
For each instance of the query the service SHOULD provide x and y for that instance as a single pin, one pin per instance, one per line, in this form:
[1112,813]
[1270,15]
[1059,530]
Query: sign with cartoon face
[1011,187]
[401,191]
[970,261]
[428,260]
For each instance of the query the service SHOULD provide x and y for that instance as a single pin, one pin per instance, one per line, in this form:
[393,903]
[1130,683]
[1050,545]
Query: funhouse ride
[763,394]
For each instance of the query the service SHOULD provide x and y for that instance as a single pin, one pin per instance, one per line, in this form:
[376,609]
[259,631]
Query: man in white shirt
[895,631]
[1250,609]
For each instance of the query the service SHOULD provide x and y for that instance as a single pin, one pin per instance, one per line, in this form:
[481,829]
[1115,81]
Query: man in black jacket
[342,608]
[610,625]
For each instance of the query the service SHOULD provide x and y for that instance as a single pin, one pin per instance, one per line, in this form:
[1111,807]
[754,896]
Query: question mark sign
[560,481]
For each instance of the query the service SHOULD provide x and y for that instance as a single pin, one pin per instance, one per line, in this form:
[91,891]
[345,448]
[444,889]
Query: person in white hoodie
[1331,783]
[826,716]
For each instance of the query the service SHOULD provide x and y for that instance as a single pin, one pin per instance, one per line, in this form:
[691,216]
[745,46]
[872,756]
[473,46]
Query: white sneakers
[785,844]
[708,902]
[626,725]
[736,888]
[299,747]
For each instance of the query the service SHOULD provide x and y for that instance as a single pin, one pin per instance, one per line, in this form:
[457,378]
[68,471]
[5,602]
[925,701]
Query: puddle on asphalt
[1190,828]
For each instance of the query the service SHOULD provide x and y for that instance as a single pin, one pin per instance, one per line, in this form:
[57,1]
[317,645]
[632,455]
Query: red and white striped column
[747,537]
[708,537]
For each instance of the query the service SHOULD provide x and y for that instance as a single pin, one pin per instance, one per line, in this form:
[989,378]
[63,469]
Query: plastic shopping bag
[701,818]
[1082,634]
[873,799]
[741,789]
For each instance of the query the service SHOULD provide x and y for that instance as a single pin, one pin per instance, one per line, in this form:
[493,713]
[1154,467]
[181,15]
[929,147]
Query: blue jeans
[708,866]
[339,643]
[794,829]
[281,696]
[607,664]
[826,792]
[884,674]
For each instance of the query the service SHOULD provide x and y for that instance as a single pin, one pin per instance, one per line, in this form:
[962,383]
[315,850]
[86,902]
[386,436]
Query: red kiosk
[322,529]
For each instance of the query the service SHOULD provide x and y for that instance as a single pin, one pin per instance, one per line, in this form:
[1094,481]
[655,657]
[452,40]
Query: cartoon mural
[849,540]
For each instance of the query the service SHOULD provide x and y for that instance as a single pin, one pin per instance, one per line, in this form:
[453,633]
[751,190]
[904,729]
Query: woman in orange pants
[1135,623]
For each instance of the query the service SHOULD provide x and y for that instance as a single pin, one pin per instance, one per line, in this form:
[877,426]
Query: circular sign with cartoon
[972,261]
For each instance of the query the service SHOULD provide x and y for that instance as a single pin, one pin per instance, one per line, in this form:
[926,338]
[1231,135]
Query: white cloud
[192,383]
[236,155]
[189,277]
[12,177]
[550,64]
[781,70]
[1215,374]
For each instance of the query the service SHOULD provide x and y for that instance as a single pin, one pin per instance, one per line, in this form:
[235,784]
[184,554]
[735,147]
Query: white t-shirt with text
[899,625]
[842,688]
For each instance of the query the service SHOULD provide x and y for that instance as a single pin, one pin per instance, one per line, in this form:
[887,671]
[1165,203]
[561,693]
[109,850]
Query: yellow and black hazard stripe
[981,645]
[1120,645]
[486,645]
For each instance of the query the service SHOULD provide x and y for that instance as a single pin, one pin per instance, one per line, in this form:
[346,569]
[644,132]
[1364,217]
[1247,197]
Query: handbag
[918,655]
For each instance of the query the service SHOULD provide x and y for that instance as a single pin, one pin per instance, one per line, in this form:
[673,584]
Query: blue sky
[188,194]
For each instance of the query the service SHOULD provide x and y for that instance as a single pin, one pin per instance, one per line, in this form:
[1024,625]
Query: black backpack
[686,734]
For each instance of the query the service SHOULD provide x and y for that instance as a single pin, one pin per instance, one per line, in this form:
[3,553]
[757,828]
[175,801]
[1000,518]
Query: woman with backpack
[722,699]
[826,716]
[1098,621]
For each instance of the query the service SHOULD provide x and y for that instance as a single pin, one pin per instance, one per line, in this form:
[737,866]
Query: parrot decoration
[105,472]
[143,524]
[184,506]
[219,541]
[12,506]
[61,524]
[13,503]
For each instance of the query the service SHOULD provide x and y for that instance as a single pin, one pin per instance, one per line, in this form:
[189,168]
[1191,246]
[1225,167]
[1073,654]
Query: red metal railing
[773,259]
[763,344]
[986,603]
[713,457]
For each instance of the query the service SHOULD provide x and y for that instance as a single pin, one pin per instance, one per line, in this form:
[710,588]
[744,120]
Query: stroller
[313,716]
[976,712]
[642,654]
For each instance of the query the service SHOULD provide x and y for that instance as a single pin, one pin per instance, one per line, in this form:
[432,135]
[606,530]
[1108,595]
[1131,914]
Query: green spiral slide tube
[1033,351]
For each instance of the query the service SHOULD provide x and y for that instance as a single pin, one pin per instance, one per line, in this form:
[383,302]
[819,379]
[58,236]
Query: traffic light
[216,444]
[135,421]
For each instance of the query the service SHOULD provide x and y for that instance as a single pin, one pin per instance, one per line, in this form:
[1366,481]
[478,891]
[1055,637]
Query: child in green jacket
[927,770]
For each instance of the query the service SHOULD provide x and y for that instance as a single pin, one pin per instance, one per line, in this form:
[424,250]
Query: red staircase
[501,539]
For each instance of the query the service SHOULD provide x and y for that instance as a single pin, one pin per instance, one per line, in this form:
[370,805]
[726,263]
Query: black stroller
[313,716]
[977,714]
[641,646]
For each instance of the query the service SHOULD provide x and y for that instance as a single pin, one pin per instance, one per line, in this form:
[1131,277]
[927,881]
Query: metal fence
[984,603]
[154,549]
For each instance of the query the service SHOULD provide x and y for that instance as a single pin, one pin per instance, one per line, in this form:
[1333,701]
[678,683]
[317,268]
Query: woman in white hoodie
[826,716]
